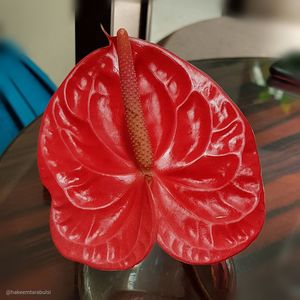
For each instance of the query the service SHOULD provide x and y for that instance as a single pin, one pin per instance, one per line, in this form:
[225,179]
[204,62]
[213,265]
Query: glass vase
[158,277]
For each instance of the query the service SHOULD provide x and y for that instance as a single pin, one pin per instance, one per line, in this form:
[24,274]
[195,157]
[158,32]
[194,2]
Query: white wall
[170,15]
[45,30]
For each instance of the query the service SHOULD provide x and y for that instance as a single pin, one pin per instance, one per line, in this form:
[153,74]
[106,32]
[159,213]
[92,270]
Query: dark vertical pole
[143,19]
[88,35]
[234,7]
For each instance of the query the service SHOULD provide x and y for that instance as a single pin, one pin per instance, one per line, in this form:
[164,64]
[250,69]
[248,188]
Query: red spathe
[205,201]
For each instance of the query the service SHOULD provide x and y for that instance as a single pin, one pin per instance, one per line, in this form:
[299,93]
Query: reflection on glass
[159,277]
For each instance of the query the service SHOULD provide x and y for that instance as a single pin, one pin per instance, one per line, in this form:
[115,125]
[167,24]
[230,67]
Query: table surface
[268,269]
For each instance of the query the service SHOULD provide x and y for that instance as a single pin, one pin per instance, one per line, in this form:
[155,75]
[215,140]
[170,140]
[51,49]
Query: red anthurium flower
[137,147]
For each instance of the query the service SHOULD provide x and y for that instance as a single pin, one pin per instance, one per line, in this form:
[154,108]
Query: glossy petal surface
[205,202]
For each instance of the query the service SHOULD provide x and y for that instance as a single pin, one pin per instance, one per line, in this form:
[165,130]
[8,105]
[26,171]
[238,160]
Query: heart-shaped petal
[203,198]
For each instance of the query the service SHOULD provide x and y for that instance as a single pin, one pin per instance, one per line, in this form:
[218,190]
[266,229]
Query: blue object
[24,92]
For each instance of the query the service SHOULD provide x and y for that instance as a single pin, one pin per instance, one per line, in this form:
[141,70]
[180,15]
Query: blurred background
[193,29]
